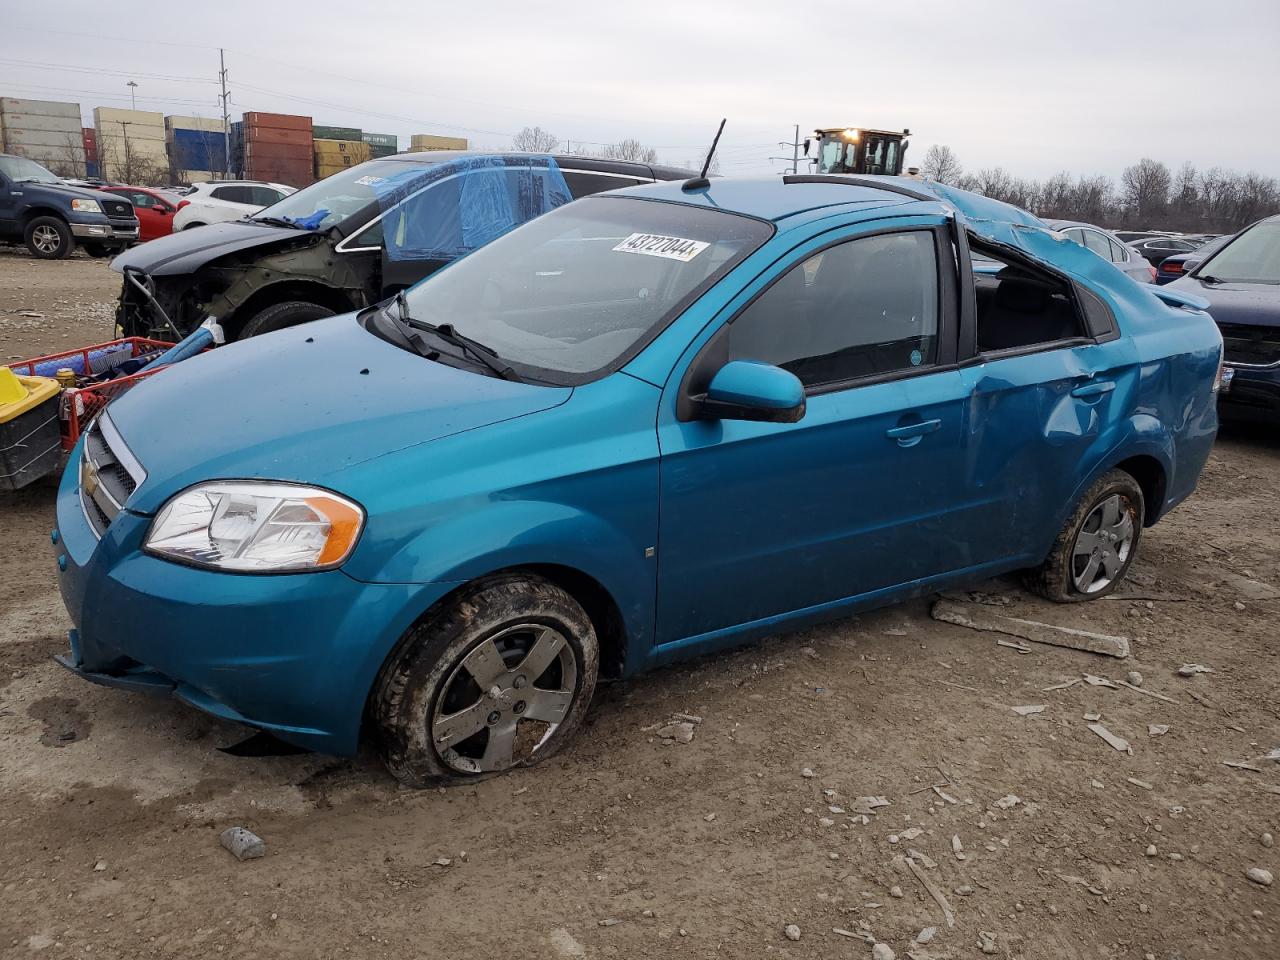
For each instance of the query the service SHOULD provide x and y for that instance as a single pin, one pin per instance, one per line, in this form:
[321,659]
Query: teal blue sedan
[649,425]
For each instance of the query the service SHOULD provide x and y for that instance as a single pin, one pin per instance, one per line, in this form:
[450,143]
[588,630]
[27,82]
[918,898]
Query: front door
[760,520]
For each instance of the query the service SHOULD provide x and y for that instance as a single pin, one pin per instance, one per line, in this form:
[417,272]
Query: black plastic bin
[30,444]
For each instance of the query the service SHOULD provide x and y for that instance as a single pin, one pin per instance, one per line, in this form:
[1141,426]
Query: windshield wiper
[277,222]
[1209,278]
[445,331]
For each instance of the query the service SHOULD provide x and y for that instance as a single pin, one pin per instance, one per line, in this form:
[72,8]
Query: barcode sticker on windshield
[656,245]
[369,181]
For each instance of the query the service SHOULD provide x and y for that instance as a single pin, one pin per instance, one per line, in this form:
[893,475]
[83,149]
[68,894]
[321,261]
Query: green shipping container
[320,132]
[377,150]
[382,140]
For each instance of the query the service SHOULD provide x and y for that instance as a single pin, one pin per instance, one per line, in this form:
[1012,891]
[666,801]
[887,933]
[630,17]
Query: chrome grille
[1250,346]
[108,475]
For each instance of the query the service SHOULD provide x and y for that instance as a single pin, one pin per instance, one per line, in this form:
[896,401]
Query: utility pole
[128,160]
[795,145]
[133,94]
[226,116]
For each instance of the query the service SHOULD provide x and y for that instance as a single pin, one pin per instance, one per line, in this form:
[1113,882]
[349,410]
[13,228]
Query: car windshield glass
[1254,257]
[575,290]
[333,199]
[22,170]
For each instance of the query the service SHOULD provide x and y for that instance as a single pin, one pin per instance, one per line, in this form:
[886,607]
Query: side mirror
[751,390]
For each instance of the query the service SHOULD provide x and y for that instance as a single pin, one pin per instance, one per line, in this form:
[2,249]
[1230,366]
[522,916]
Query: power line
[97,71]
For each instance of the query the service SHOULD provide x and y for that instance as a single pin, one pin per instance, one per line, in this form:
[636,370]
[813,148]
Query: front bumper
[1251,393]
[295,654]
[106,231]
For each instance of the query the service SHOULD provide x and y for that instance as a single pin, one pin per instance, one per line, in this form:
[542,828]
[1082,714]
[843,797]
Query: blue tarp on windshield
[445,211]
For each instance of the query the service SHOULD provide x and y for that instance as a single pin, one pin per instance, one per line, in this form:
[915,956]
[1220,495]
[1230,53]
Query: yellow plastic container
[20,394]
[30,433]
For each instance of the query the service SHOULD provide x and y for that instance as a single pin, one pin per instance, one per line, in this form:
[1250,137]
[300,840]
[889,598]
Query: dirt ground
[624,846]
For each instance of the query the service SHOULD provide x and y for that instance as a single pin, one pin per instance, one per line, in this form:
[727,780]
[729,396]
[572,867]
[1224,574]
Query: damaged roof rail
[875,184]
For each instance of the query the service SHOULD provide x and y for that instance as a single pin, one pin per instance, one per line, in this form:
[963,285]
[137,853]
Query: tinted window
[371,236]
[1022,307]
[234,194]
[265,196]
[584,184]
[572,292]
[858,309]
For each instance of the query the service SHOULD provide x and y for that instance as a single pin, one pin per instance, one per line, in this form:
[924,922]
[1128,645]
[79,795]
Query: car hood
[188,250]
[303,404]
[67,190]
[1255,304]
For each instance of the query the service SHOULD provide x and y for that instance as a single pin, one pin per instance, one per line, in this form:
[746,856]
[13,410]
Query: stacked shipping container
[324,132]
[131,146]
[425,141]
[333,156]
[381,144]
[47,131]
[277,148]
[197,147]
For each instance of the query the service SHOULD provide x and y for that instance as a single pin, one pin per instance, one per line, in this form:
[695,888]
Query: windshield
[22,170]
[574,291]
[1254,257]
[333,199]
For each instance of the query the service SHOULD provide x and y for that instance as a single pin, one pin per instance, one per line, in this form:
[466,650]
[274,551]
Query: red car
[154,209]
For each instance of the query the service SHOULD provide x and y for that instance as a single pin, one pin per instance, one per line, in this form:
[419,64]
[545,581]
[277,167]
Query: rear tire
[98,250]
[460,700]
[278,316]
[1097,545]
[49,238]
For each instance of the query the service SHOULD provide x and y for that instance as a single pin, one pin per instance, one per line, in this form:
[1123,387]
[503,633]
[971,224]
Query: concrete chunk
[243,844]
[978,617]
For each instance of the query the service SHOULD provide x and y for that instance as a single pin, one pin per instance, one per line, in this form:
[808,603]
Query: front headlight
[253,526]
[86,206]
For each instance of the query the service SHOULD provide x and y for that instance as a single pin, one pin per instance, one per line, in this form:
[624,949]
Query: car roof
[775,198]
[576,161]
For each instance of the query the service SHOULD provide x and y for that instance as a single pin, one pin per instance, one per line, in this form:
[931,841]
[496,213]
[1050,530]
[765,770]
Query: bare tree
[631,149]
[1146,190]
[70,160]
[941,164]
[118,161]
[535,140]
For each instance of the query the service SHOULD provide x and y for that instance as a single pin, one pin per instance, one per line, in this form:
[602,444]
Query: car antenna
[701,181]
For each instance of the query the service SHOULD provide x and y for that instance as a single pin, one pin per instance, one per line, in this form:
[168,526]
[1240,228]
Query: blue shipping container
[198,150]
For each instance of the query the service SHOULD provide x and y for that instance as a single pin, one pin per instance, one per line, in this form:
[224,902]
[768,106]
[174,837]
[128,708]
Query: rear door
[761,520]
[1046,371]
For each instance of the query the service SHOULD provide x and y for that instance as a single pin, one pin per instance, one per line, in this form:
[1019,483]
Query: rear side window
[1097,243]
[583,184]
[858,309]
[233,194]
[1119,253]
[265,196]
[1019,307]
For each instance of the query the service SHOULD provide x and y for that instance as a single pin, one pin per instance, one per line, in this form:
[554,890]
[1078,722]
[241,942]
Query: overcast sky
[1087,86]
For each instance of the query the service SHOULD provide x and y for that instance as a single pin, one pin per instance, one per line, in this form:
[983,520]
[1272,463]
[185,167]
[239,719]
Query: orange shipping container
[280,135]
[284,121]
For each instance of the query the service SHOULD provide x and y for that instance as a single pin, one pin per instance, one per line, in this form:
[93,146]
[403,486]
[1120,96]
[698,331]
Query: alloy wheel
[45,239]
[505,699]
[1103,545]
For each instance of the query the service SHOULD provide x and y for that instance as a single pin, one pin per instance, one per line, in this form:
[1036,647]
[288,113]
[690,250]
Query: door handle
[909,435]
[1095,389]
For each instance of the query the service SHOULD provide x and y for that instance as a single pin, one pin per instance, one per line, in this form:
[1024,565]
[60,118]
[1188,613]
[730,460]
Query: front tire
[1097,545]
[49,238]
[278,316]
[499,678]
[99,250]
